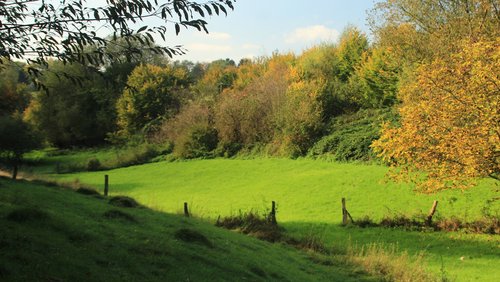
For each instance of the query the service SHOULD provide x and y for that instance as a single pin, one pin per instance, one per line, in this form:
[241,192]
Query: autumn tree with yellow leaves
[450,120]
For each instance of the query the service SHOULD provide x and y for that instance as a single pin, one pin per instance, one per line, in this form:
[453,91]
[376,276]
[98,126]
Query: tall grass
[390,263]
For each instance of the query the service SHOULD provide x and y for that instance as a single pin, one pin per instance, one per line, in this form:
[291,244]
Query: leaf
[177,29]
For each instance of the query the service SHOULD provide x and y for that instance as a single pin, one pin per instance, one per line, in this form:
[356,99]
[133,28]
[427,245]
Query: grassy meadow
[308,194]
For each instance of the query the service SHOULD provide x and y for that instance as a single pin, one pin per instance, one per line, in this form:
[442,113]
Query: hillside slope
[308,194]
[54,234]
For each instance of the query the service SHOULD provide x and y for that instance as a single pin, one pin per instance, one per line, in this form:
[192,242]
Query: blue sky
[259,27]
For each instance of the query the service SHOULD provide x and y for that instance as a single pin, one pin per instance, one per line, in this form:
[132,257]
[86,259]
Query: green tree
[153,94]
[379,77]
[14,90]
[17,138]
[73,114]
[352,45]
[218,75]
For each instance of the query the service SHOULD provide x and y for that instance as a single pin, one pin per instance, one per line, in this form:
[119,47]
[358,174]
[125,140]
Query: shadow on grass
[455,253]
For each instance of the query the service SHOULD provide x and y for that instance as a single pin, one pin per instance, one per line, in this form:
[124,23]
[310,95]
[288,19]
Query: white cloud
[312,34]
[249,46]
[209,48]
[213,35]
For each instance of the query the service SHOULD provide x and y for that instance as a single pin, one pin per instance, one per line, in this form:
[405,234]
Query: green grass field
[54,234]
[308,194]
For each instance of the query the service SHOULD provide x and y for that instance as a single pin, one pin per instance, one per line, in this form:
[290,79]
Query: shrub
[93,165]
[350,136]
[191,132]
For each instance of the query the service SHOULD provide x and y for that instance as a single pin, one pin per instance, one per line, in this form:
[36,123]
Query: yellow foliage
[449,120]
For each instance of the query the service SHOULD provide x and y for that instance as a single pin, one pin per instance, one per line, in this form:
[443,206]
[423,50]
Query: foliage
[154,94]
[424,30]
[379,76]
[253,224]
[17,138]
[14,89]
[247,114]
[352,45]
[191,131]
[38,30]
[349,137]
[217,76]
[299,121]
[73,115]
[447,89]
[449,120]
[334,66]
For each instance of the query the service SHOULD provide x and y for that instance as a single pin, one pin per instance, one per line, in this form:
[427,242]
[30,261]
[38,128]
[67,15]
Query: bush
[191,132]
[350,136]
[93,165]
[200,143]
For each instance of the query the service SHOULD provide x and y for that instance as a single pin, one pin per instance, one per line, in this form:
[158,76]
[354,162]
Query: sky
[260,27]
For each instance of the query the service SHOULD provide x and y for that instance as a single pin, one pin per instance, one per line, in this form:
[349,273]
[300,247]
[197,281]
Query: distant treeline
[281,105]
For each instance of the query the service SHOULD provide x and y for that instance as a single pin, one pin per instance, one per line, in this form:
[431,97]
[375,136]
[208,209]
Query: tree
[14,91]
[69,30]
[353,43]
[423,30]
[379,75]
[73,114]
[446,89]
[153,95]
[17,139]
[449,120]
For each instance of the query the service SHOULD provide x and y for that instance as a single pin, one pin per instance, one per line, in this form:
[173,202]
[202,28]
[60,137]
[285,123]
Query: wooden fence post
[186,211]
[106,185]
[431,213]
[345,213]
[272,214]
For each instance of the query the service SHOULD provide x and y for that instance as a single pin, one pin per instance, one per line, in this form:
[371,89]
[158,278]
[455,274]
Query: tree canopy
[449,52]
